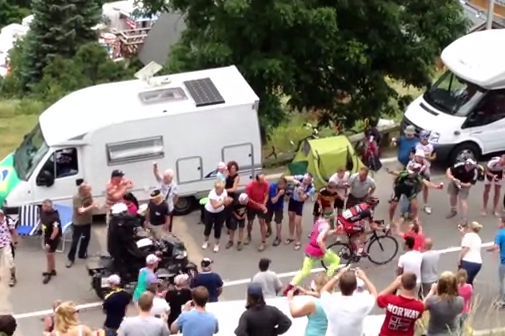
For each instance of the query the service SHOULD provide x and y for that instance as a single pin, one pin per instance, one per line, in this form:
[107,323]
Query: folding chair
[66,224]
[28,223]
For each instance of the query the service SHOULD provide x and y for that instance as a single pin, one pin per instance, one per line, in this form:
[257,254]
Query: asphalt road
[30,297]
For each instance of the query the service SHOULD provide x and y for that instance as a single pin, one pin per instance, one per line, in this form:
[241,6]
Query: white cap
[470,161]
[118,208]
[243,197]
[152,259]
[114,279]
[420,153]
[221,165]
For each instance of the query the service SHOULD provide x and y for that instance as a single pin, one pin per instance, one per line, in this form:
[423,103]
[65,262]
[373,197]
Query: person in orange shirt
[415,231]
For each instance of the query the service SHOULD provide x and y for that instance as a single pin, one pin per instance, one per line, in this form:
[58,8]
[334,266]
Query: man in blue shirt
[499,246]
[210,280]
[275,208]
[303,189]
[195,320]
[406,145]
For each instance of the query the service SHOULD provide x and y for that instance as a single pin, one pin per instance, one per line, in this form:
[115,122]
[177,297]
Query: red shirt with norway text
[257,192]
[401,314]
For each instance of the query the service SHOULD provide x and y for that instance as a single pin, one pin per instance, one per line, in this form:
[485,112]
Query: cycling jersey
[406,185]
[312,249]
[353,218]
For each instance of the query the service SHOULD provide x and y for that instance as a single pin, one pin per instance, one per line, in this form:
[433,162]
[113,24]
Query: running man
[303,189]
[315,251]
[408,183]
[428,149]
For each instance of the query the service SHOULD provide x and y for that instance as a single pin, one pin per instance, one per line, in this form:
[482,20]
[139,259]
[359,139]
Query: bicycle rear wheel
[383,242]
[343,250]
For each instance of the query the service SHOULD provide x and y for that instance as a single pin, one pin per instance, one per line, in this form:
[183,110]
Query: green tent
[322,157]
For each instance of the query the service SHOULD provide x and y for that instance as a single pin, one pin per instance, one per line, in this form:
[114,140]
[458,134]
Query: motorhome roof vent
[204,92]
[162,95]
[146,73]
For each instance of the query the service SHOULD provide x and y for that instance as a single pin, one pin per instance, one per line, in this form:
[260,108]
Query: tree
[331,56]
[9,13]
[91,65]
[58,29]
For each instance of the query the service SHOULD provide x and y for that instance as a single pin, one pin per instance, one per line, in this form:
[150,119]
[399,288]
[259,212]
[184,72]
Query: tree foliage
[59,29]
[331,56]
[11,13]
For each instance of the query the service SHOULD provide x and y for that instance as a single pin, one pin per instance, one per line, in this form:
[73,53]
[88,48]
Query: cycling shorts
[410,192]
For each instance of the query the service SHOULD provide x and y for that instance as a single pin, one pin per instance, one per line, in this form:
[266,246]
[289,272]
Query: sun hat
[152,259]
[410,130]
[114,279]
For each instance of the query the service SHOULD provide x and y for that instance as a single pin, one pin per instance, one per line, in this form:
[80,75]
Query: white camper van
[465,108]
[188,122]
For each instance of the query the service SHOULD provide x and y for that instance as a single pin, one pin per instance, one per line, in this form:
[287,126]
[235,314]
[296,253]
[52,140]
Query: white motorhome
[188,122]
[465,108]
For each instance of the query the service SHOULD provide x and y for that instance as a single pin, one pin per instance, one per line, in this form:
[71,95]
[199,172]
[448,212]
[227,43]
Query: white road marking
[226,284]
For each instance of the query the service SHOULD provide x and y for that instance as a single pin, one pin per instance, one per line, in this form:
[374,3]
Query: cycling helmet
[372,201]
[414,168]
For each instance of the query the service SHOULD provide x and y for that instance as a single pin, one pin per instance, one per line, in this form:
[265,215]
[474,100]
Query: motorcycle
[173,261]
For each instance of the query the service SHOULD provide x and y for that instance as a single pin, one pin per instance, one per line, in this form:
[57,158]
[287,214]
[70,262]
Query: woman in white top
[215,214]
[493,180]
[66,322]
[470,258]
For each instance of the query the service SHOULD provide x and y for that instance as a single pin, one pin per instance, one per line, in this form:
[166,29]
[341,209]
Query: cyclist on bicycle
[409,183]
[324,205]
[315,251]
[353,222]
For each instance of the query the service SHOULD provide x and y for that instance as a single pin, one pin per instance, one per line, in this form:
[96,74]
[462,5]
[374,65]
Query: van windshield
[28,155]
[454,96]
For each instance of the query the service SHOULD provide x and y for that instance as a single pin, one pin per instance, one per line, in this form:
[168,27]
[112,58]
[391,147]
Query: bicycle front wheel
[387,249]
[343,250]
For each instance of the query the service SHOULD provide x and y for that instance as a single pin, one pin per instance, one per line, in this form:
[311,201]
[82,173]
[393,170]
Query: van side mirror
[45,179]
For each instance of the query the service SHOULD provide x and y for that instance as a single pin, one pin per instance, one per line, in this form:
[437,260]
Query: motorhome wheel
[466,150]
[184,205]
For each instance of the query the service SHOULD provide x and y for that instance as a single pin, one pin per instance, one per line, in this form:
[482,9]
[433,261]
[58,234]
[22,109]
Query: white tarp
[228,314]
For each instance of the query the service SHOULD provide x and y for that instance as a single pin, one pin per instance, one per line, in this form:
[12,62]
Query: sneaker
[46,279]
[427,209]
[216,248]
[228,244]
[205,245]
[262,247]
[451,214]
[277,242]
[247,240]
[239,246]
[13,281]
[69,264]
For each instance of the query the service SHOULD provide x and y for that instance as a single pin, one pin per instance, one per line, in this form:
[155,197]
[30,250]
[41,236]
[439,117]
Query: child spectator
[465,290]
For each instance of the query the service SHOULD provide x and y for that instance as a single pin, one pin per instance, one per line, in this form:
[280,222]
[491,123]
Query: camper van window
[163,95]
[31,151]
[454,96]
[135,150]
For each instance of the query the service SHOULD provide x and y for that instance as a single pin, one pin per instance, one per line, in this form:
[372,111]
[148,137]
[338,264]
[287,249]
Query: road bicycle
[349,255]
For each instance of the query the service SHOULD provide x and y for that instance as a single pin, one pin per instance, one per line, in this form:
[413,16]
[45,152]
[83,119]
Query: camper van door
[57,175]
